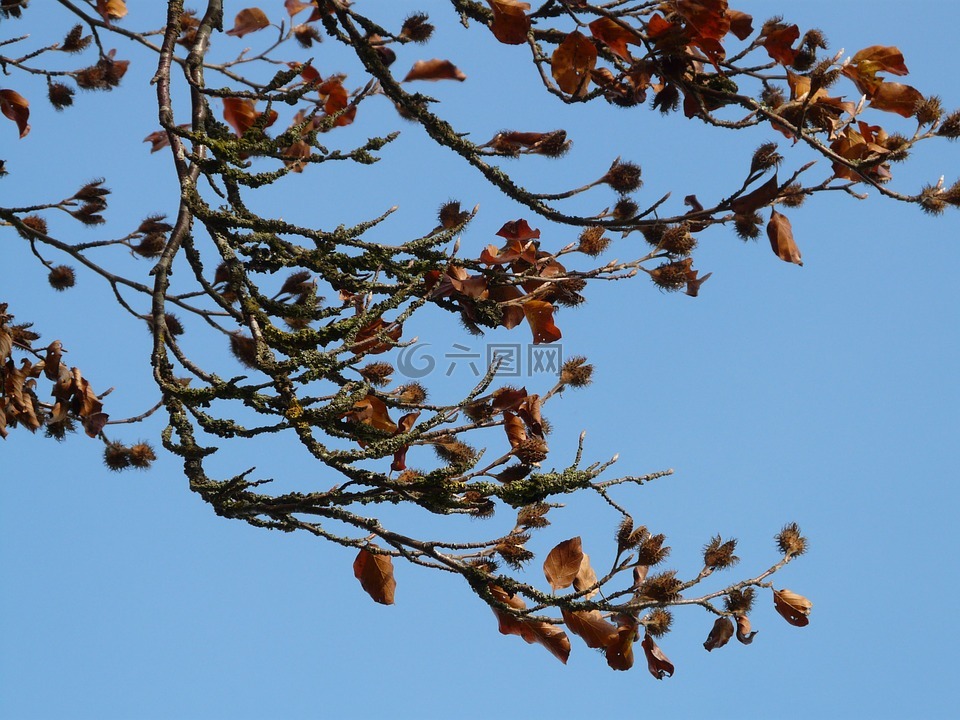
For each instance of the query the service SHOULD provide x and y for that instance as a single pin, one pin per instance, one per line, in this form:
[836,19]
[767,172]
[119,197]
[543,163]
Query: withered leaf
[586,578]
[572,62]
[744,634]
[757,198]
[590,625]
[435,69]
[375,573]
[657,663]
[539,314]
[619,652]
[741,24]
[794,608]
[533,631]
[15,106]
[510,24]
[781,238]
[879,58]
[248,21]
[778,43]
[615,36]
[896,98]
[720,634]
[563,563]
[516,432]
[241,114]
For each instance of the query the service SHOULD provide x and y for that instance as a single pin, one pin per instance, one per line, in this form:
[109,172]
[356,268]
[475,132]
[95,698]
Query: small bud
[59,95]
[116,456]
[416,28]
[592,241]
[141,455]
[62,277]
[576,372]
[624,177]
[790,541]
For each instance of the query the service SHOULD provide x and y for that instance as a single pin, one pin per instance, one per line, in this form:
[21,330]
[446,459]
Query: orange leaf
[372,411]
[434,70]
[741,24]
[781,238]
[586,578]
[792,607]
[14,106]
[591,626]
[533,631]
[539,314]
[563,563]
[896,98]
[241,114]
[657,663]
[572,62]
[112,9]
[375,573]
[518,230]
[248,21]
[720,634]
[878,58]
[295,6]
[513,425]
[510,25]
[619,652]
[778,44]
[615,36]
[706,18]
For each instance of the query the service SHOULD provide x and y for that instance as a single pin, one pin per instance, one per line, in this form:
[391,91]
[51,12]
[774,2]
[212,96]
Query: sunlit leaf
[375,573]
[15,106]
[563,563]
[248,21]
[572,62]
[510,23]
[435,69]
[780,234]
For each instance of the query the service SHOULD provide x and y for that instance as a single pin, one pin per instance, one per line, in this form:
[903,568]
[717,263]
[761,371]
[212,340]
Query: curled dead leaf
[720,634]
[375,573]
[657,663]
[572,62]
[744,633]
[15,106]
[248,21]
[794,608]
[781,238]
[435,69]
[562,564]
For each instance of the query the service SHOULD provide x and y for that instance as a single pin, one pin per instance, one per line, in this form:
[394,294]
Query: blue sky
[825,395]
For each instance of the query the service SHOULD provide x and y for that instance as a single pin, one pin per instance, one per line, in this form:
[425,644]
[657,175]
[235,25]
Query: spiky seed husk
[576,372]
[929,110]
[740,602]
[790,541]
[416,28]
[412,393]
[765,157]
[670,276]
[478,411]
[624,177]
[950,127]
[719,555]
[141,455]
[75,41]
[772,96]
[624,531]
[747,226]
[662,587]
[815,38]
[306,35]
[455,452]
[514,473]
[533,516]
[625,209]
[513,552]
[658,622]
[677,240]
[930,200]
[62,277]
[651,550]
[805,59]
[899,147]
[116,456]
[531,451]
[479,505]
[59,95]
[451,216]
[34,222]
[377,373]
[653,234]
[58,430]
[792,195]
[244,349]
[554,145]
[151,245]
[592,241]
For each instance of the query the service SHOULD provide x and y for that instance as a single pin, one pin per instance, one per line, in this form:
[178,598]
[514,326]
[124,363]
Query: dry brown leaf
[741,24]
[15,106]
[572,62]
[435,69]
[586,578]
[720,634]
[619,652]
[510,24]
[781,238]
[794,608]
[778,43]
[756,199]
[615,36]
[591,627]
[533,631]
[248,21]
[539,314]
[657,663]
[744,634]
[375,573]
[563,563]
[516,432]
[896,98]
[112,9]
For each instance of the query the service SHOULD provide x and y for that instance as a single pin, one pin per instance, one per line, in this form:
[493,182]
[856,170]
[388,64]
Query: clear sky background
[825,395]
